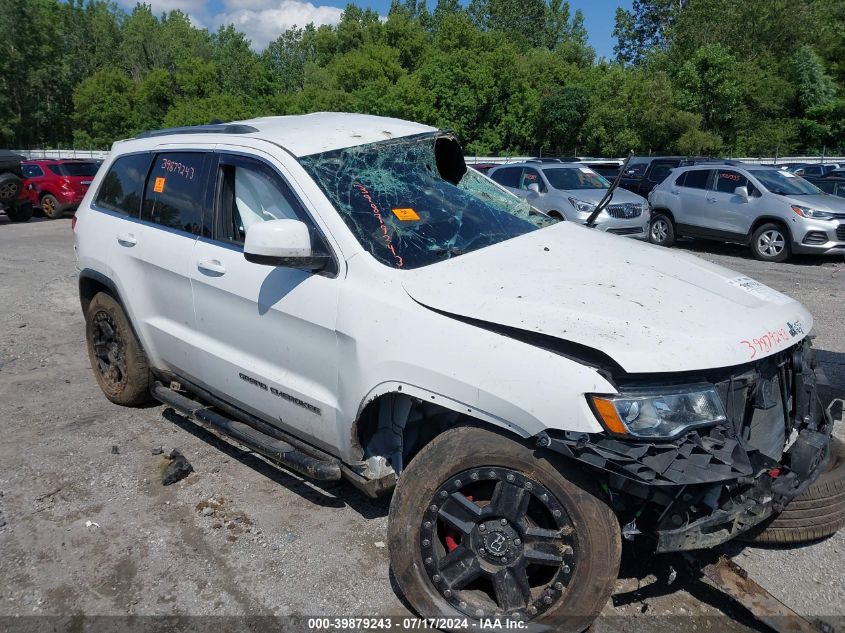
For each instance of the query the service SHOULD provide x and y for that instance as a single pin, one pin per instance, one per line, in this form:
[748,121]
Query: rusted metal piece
[733,580]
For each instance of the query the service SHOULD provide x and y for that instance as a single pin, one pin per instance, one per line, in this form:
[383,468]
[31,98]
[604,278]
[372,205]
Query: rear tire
[119,363]
[661,230]
[51,207]
[10,187]
[816,514]
[491,567]
[770,243]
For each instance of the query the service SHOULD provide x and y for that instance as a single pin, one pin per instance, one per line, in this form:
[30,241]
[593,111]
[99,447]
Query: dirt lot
[239,537]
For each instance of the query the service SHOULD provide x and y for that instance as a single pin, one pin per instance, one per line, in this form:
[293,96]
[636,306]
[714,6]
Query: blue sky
[263,20]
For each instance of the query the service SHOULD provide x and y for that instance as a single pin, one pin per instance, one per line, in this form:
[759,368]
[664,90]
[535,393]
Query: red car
[57,186]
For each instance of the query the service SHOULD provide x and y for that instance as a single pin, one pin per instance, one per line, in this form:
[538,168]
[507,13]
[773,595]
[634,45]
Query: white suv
[340,293]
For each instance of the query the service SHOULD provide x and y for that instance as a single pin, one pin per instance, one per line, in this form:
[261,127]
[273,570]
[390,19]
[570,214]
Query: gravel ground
[86,528]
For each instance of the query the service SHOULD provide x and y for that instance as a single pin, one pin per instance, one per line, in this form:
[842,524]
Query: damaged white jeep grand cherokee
[340,293]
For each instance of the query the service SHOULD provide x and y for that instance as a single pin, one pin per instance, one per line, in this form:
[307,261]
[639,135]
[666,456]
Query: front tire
[119,363]
[661,230]
[770,243]
[51,207]
[481,525]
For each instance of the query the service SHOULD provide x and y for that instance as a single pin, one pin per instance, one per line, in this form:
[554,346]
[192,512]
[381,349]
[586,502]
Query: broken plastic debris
[672,575]
[630,530]
[91,524]
[178,468]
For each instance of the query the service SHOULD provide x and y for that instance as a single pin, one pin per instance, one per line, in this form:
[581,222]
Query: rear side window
[174,194]
[697,179]
[727,181]
[659,171]
[508,177]
[123,186]
[31,171]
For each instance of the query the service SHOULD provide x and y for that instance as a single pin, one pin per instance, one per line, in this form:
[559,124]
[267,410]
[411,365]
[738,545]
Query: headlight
[663,413]
[815,214]
[581,206]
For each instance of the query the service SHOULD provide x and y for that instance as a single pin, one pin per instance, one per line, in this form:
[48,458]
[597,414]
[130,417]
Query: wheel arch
[663,211]
[90,283]
[396,420]
[769,219]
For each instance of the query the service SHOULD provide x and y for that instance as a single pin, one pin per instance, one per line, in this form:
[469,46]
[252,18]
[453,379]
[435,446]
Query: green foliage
[509,76]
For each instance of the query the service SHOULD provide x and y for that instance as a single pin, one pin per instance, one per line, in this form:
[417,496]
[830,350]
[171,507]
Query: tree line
[509,76]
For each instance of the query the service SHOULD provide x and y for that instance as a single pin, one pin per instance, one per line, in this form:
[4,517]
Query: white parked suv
[340,293]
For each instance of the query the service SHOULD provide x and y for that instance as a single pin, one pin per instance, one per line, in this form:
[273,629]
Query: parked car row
[772,209]
[54,186]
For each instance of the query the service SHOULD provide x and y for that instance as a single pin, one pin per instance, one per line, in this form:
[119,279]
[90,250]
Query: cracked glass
[405,213]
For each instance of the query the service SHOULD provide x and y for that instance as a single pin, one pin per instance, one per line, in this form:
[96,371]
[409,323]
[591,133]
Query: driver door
[268,339]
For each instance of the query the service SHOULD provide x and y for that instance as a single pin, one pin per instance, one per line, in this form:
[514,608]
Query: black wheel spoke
[459,568]
[543,556]
[512,588]
[460,513]
[537,536]
[509,501]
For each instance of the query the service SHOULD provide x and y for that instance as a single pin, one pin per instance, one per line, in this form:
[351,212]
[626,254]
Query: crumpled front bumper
[712,484]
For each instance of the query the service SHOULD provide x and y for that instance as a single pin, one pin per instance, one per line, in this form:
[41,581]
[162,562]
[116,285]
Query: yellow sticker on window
[158,186]
[406,215]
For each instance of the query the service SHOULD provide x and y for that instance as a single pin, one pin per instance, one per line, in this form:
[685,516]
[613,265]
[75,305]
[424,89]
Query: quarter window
[31,171]
[174,193]
[123,186]
[697,179]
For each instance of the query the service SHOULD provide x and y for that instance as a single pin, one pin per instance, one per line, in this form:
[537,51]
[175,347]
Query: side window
[508,177]
[728,180]
[31,171]
[123,186]
[250,191]
[532,177]
[697,179]
[174,192]
[659,171]
[679,181]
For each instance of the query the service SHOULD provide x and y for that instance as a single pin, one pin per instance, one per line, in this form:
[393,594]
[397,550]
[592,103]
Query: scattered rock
[216,525]
[178,468]
[22,325]
[89,524]
[115,450]
[157,450]
[207,511]
[380,544]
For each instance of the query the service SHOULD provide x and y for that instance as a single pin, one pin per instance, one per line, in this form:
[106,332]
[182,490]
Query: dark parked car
[11,186]
[834,184]
[813,169]
[644,173]
[608,169]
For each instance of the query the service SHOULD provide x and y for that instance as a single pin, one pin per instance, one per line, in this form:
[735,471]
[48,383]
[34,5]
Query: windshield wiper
[591,221]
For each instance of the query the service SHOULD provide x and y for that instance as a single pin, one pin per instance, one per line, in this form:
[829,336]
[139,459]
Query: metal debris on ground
[178,468]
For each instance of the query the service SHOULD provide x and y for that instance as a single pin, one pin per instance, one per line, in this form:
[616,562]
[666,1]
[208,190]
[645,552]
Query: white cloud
[262,21]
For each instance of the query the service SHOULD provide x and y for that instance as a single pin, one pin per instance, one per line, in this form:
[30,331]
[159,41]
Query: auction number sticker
[158,186]
[406,215]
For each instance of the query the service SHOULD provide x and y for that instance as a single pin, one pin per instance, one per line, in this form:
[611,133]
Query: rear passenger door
[693,213]
[268,333]
[172,217]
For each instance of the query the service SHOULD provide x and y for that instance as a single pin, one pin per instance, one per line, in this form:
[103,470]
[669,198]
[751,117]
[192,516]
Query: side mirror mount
[282,243]
[742,192]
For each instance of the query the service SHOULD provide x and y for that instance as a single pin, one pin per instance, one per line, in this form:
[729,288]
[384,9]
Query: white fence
[62,153]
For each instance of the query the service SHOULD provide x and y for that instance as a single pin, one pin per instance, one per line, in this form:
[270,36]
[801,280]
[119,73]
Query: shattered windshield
[394,200]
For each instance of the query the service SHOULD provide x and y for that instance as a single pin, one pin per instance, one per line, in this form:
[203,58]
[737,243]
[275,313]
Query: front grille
[815,237]
[624,211]
[840,232]
[632,230]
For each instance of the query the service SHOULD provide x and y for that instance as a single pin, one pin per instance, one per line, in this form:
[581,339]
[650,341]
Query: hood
[822,202]
[650,309]
[620,196]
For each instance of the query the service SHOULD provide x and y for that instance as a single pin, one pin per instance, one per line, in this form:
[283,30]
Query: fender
[89,274]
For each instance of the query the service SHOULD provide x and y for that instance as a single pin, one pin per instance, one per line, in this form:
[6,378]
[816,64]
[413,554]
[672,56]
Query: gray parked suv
[571,191]
[772,210]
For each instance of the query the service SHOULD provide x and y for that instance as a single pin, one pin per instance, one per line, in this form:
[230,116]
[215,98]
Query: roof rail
[215,128]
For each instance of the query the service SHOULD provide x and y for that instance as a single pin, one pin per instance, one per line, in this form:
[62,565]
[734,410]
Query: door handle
[126,239]
[711,200]
[675,192]
[211,267]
